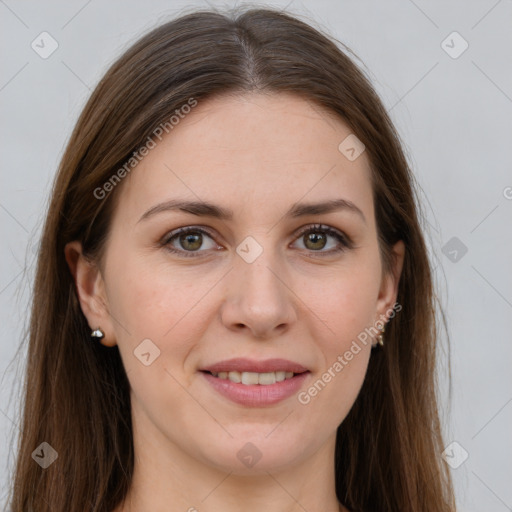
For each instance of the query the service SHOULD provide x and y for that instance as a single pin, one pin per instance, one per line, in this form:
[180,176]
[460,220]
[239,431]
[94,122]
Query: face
[268,281]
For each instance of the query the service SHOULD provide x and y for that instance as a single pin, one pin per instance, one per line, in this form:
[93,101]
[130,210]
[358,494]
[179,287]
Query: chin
[254,454]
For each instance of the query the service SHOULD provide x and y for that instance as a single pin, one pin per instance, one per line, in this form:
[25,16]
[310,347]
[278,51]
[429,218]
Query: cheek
[153,302]
[345,302]
[148,298]
[346,307]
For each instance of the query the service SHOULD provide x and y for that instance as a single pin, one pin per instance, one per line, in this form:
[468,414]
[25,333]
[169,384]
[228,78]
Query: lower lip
[257,395]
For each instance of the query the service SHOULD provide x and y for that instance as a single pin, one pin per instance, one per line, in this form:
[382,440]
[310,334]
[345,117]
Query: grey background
[455,118]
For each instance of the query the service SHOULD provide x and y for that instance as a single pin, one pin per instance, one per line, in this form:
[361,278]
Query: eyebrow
[206,209]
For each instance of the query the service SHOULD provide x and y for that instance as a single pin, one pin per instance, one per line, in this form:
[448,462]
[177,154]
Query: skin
[240,152]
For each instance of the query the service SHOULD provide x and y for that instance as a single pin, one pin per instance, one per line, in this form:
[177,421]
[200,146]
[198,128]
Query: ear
[389,285]
[90,289]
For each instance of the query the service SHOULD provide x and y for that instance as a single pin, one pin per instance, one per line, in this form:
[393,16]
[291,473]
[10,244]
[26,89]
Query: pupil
[191,238]
[315,238]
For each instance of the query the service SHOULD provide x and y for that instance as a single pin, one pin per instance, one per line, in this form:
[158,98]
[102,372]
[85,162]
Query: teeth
[267,378]
[252,378]
[234,376]
[249,378]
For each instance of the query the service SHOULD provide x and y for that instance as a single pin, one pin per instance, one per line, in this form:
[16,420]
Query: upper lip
[240,364]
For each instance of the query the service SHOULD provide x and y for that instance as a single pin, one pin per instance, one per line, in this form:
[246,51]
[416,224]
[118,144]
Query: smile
[251,389]
[252,378]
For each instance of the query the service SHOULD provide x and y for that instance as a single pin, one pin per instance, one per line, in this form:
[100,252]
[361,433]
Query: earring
[97,333]
[381,338]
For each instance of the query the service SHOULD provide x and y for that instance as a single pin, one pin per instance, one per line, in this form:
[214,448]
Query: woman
[232,230]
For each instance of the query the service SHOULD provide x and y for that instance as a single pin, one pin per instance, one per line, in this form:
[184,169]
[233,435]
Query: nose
[258,298]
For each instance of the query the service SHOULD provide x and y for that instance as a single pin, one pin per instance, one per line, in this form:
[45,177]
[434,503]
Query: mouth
[252,383]
[254,378]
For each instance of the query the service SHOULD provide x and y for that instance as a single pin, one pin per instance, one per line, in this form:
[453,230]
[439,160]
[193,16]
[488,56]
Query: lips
[256,383]
[242,365]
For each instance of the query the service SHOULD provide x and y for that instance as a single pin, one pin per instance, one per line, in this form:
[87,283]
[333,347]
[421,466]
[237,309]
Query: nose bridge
[259,277]
[257,297]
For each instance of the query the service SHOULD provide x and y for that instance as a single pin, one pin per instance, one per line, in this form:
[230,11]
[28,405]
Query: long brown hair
[76,393]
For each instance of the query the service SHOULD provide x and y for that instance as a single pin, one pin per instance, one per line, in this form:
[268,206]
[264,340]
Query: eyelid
[184,230]
[327,229]
[344,241]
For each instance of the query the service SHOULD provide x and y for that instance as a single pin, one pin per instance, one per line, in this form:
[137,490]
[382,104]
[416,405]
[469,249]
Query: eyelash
[344,241]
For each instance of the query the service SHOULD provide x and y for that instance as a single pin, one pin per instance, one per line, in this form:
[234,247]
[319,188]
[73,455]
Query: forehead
[249,151]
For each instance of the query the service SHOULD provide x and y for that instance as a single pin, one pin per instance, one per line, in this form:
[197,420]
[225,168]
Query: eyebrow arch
[205,209]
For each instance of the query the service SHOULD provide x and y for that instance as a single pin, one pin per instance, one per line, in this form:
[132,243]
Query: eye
[189,239]
[316,238]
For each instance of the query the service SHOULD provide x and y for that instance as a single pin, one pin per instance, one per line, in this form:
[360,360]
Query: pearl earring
[381,338]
